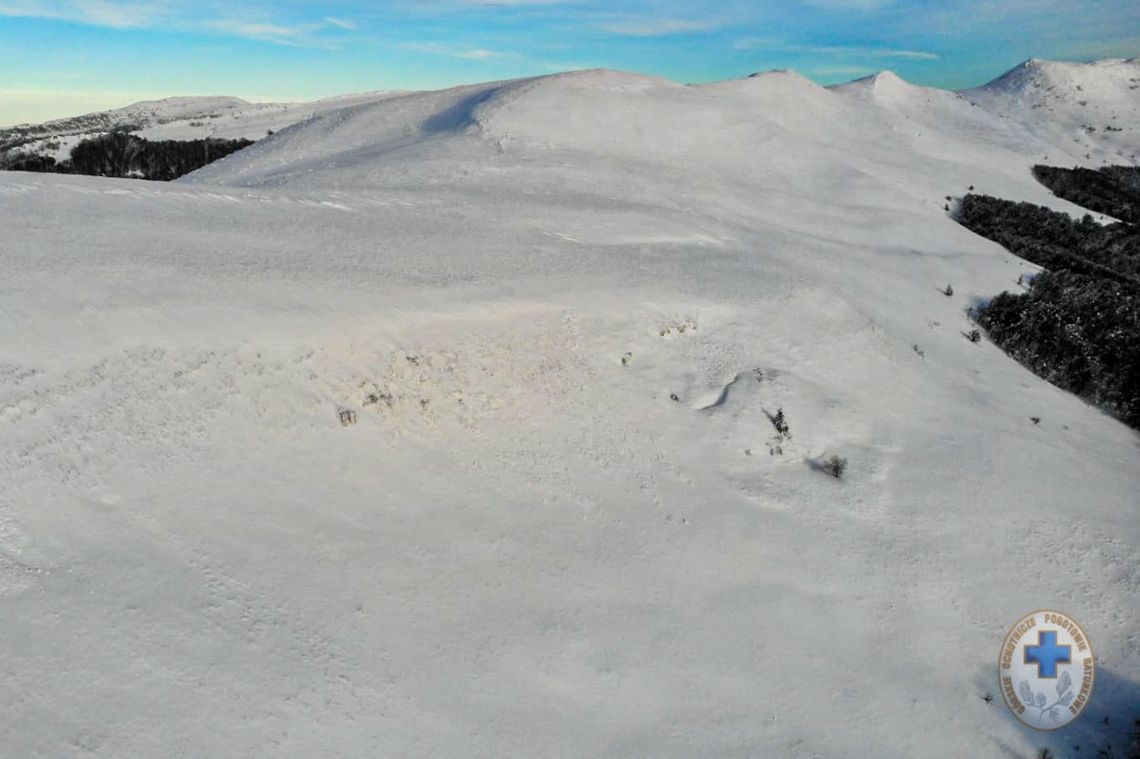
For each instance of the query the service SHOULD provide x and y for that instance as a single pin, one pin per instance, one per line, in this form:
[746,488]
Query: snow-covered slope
[560,312]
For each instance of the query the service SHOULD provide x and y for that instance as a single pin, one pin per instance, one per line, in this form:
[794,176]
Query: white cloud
[172,15]
[341,23]
[307,34]
[255,29]
[849,5]
[470,54]
[118,15]
[493,3]
[658,27]
[264,31]
[95,12]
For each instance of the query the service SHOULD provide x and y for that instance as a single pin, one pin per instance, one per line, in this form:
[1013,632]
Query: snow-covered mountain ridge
[668,124]
[1075,96]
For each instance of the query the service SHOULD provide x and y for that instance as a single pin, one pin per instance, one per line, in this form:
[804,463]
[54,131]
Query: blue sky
[61,57]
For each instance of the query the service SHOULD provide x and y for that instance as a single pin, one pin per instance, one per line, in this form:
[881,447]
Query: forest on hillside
[119,154]
[1112,190]
[1077,323]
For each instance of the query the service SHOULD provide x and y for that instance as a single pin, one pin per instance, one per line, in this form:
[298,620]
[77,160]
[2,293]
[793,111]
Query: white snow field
[560,310]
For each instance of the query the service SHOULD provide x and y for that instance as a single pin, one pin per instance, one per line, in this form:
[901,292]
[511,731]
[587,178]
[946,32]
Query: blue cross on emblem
[1047,654]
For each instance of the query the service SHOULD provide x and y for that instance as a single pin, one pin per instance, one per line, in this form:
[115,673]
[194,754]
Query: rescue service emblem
[1046,670]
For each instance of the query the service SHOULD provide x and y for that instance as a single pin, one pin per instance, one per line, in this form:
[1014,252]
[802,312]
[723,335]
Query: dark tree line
[1055,240]
[125,155]
[1079,332]
[1078,325]
[1113,190]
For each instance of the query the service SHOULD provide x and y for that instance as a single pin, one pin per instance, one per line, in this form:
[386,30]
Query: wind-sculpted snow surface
[444,426]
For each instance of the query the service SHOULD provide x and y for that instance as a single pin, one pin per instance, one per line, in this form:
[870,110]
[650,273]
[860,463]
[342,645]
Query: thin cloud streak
[762,43]
[468,54]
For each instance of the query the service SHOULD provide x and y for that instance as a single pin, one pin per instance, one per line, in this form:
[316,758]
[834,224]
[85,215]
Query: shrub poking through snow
[835,465]
[974,336]
[781,424]
[783,434]
[948,291]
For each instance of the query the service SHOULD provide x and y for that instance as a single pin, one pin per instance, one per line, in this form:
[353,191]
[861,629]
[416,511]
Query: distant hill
[177,118]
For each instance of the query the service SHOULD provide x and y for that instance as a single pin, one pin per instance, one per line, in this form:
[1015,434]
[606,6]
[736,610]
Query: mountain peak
[1035,73]
[783,74]
[881,80]
[876,85]
[887,77]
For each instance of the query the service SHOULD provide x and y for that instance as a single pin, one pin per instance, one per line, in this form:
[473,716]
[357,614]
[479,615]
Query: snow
[523,546]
